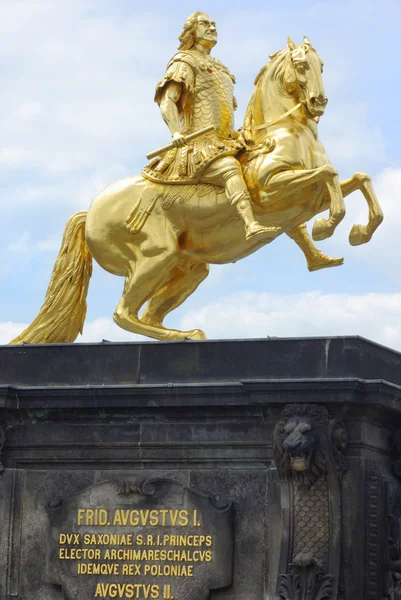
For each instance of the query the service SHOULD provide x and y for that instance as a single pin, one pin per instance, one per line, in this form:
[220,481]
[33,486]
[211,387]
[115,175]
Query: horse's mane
[273,70]
[273,66]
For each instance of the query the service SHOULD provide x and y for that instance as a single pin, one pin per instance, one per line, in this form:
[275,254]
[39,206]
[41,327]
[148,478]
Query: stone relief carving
[2,442]
[396,447]
[305,584]
[309,456]
[393,574]
[393,578]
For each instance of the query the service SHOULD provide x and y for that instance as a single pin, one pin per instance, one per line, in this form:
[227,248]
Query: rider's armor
[206,99]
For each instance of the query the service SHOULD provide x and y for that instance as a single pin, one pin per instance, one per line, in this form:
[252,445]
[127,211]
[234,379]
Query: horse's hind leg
[148,276]
[174,292]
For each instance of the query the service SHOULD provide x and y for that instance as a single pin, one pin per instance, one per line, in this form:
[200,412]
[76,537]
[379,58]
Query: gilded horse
[161,239]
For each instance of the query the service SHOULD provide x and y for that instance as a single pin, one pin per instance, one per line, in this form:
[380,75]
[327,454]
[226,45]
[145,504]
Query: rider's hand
[179,140]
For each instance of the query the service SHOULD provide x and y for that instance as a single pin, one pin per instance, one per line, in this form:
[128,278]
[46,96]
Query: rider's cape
[207,99]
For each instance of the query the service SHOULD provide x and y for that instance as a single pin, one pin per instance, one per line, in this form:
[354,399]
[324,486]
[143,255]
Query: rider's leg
[314,257]
[181,284]
[226,172]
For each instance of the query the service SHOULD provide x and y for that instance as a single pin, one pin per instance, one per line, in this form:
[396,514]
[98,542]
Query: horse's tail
[62,315]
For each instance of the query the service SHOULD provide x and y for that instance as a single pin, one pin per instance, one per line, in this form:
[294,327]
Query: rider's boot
[242,203]
[315,259]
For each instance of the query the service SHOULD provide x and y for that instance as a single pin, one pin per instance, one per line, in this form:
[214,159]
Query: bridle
[286,114]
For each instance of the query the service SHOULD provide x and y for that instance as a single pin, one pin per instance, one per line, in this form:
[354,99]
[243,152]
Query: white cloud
[24,244]
[94,331]
[10,330]
[251,315]
[11,156]
[105,329]
[28,110]
[248,314]
[350,136]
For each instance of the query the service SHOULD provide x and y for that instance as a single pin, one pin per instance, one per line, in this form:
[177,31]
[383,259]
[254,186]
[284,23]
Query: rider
[197,91]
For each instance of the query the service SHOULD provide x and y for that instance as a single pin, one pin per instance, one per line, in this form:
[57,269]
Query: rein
[281,117]
[286,114]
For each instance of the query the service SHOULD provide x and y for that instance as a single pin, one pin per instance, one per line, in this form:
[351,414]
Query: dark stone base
[214,416]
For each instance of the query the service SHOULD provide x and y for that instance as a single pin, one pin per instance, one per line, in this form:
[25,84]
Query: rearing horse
[163,238]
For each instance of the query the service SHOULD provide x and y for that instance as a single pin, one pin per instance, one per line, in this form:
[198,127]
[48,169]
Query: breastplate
[212,100]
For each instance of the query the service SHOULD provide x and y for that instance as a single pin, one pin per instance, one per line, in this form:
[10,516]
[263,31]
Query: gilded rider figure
[197,91]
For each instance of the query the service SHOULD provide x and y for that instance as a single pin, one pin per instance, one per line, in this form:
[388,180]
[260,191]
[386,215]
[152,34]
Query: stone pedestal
[284,455]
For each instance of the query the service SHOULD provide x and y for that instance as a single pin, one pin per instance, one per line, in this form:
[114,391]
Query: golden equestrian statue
[212,196]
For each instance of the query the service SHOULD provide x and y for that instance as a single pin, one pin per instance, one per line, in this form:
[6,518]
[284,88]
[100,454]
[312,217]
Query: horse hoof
[320,230]
[358,235]
[195,334]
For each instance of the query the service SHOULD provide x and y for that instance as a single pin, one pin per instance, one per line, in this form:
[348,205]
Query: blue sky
[77,112]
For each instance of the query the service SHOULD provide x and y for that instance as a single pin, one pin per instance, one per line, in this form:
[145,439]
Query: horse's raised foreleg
[360,234]
[294,180]
[173,293]
[324,228]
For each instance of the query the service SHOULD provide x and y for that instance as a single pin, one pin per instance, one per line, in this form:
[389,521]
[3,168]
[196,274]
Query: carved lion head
[298,441]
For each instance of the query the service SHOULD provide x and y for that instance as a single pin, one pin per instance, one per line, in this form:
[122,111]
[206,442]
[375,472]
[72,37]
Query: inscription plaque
[154,540]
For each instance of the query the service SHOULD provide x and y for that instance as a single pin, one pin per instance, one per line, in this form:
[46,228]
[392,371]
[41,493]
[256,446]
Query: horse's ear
[307,42]
[291,45]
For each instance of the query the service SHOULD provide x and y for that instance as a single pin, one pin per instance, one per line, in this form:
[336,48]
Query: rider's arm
[168,106]
[171,93]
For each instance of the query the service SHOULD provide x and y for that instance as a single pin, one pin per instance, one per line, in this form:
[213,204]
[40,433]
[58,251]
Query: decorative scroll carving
[305,584]
[150,487]
[309,456]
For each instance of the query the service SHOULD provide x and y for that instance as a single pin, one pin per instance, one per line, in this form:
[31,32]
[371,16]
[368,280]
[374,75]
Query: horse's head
[292,76]
[302,76]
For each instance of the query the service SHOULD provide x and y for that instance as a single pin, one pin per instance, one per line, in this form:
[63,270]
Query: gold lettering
[101,590]
[89,516]
[69,538]
[127,590]
[183,518]
[153,518]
